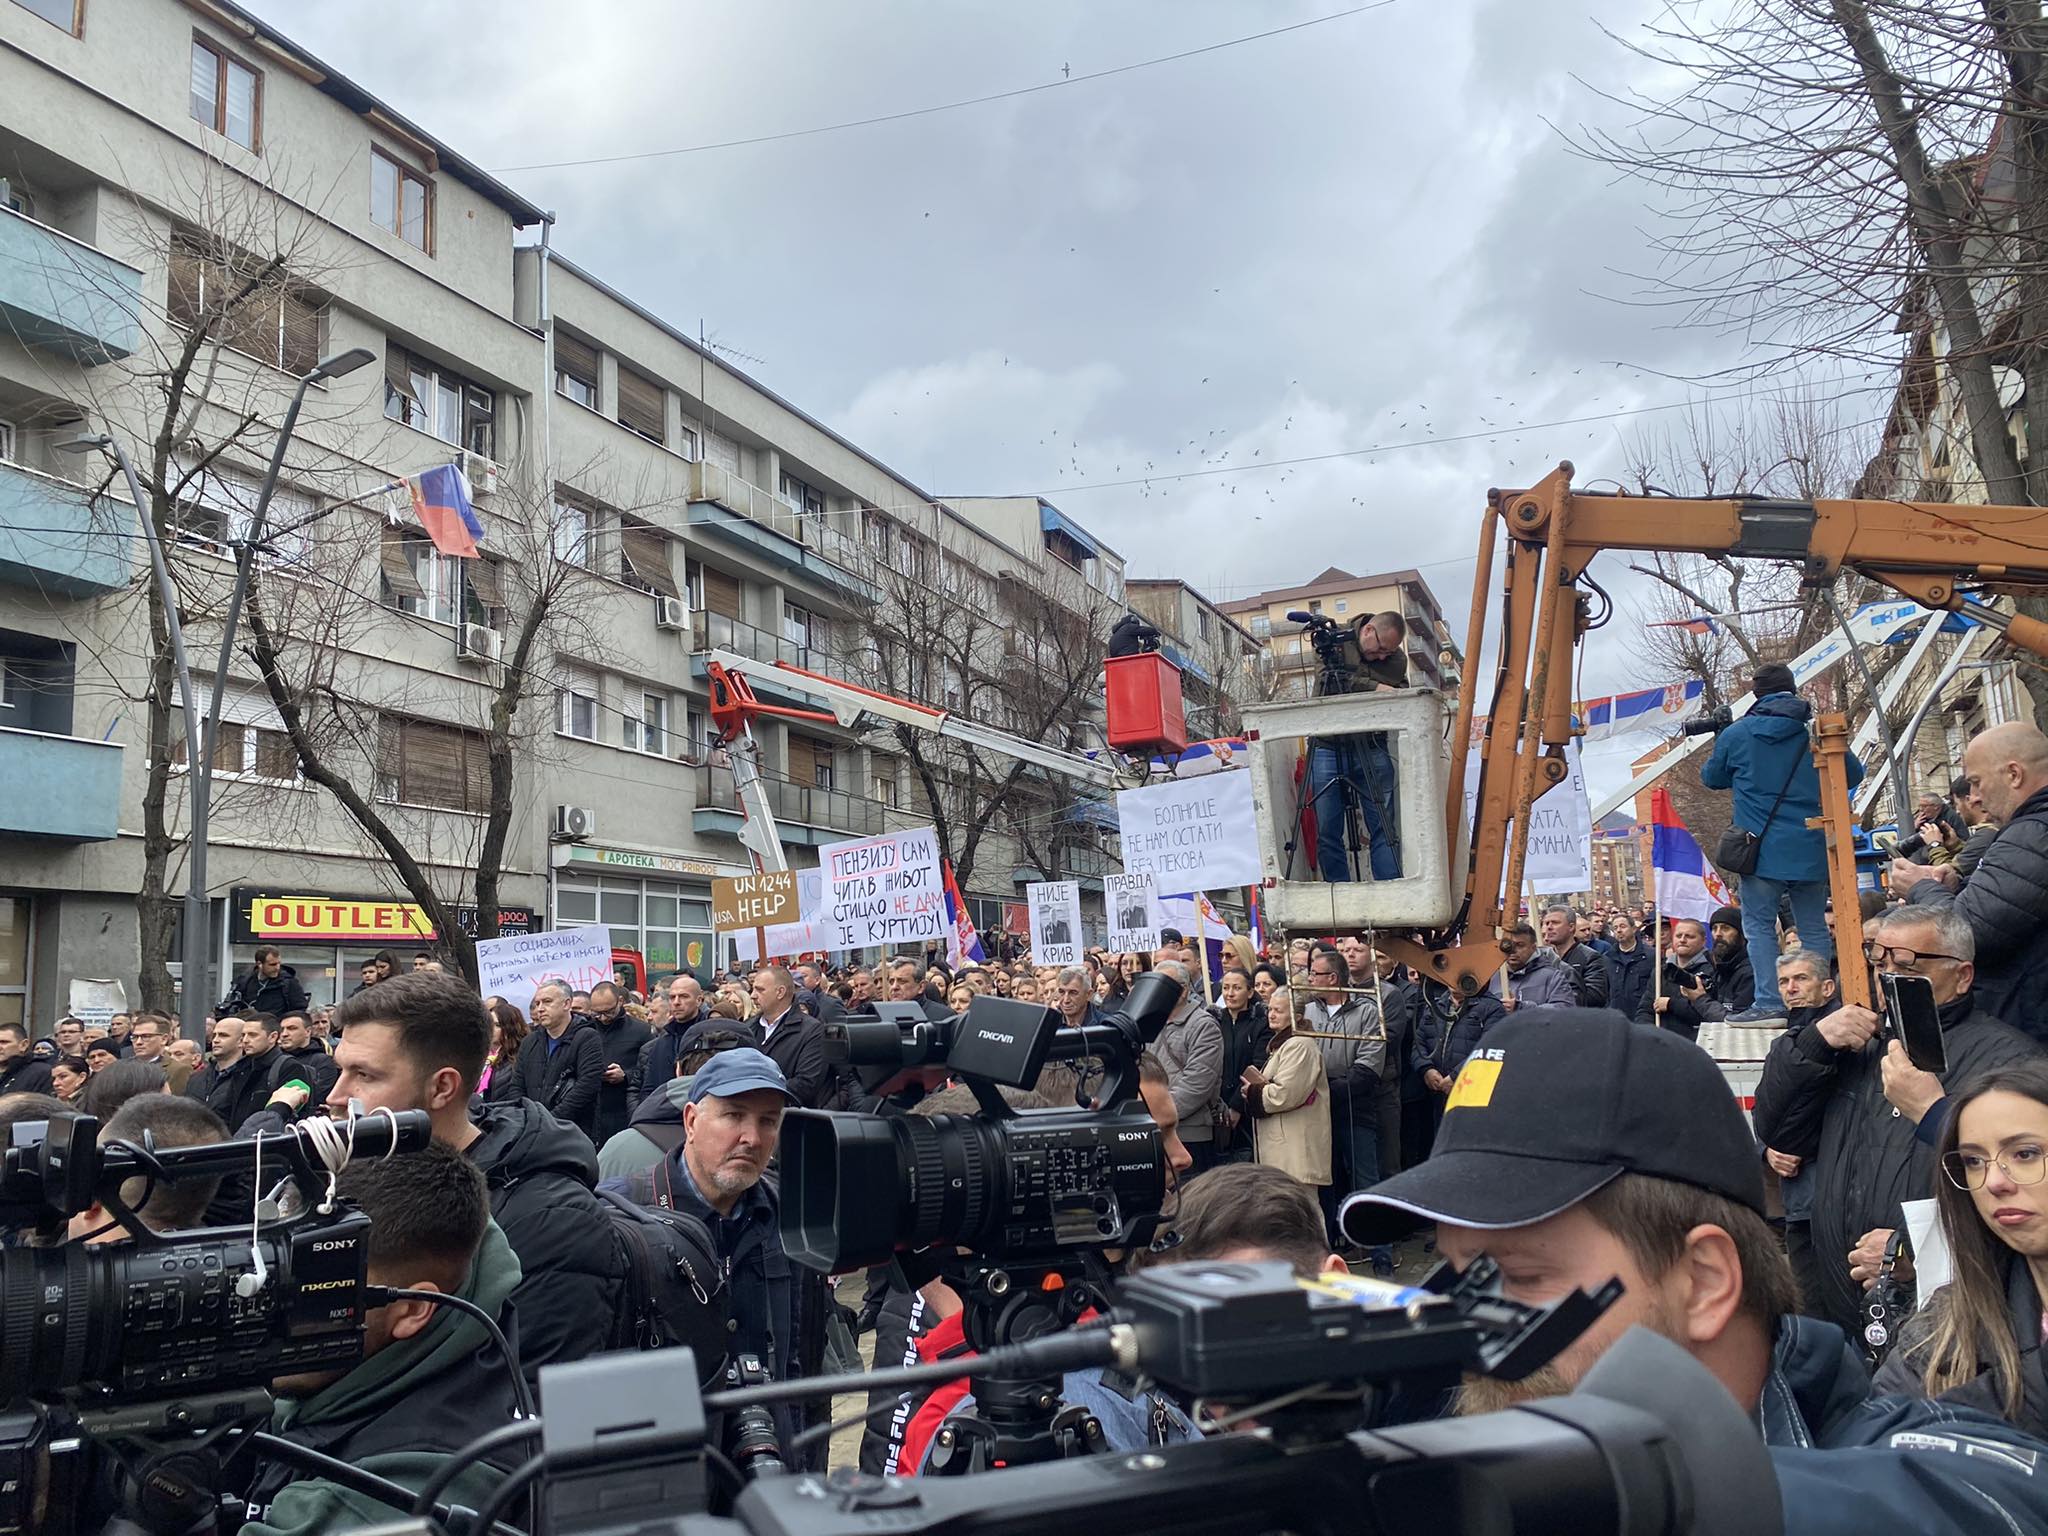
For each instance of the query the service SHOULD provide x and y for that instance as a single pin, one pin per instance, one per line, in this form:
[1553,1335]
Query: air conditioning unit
[671,613]
[482,473]
[479,643]
[574,823]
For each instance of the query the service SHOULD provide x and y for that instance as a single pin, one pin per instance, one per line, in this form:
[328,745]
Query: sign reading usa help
[882,890]
[754,901]
[1191,835]
[512,968]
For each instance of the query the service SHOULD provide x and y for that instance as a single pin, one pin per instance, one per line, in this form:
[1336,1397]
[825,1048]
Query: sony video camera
[1021,1186]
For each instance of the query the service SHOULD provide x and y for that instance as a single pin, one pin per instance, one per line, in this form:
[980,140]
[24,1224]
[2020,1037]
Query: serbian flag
[962,942]
[1686,883]
[1698,624]
[440,500]
[1255,916]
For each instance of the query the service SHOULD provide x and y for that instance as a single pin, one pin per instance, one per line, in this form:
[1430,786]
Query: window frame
[804,497]
[390,787]
[222,59]
[77,26]
[591,378]
[569,695]
[646,730]
[621,407]
[469,413]
[396,228]
[207,268]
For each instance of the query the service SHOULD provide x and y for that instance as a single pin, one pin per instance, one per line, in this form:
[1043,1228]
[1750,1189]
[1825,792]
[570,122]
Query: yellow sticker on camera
[1474,1087]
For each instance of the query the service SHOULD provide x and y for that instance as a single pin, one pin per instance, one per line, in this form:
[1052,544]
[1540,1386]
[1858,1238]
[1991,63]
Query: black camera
[1708,723]
[1026,1185]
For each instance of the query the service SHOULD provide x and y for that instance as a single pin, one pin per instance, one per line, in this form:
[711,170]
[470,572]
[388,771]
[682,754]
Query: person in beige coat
[1289,1099]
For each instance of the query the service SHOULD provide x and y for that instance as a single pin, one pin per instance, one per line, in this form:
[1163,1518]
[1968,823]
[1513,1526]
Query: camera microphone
[1301,616]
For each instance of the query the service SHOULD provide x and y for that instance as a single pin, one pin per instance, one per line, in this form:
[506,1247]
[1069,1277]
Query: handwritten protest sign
[1134,916]
[512,967]
[753,901]
[1192,834]
[883,890]
[803,936]
[1055,921]
[1560,857]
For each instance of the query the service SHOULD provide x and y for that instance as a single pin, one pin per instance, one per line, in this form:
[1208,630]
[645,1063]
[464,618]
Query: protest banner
[1191,835]
[513,967]
[1134,916]
[803,936]
[1055,921]
[1560,857]
[883,890]
[753,901]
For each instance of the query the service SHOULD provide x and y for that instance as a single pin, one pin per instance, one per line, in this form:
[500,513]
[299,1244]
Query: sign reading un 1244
[754,901]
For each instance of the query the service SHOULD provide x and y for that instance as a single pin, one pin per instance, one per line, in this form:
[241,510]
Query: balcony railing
[64,296]
[797,805]
[66,788]
[713,483]
[714,631]
[55,538]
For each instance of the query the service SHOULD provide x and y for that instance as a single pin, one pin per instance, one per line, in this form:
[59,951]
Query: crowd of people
[1315,1103]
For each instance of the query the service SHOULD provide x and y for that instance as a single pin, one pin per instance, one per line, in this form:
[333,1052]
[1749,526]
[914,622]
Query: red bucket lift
[1144,705]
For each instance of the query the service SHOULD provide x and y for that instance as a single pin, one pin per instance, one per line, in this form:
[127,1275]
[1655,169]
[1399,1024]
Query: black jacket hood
[521,1139]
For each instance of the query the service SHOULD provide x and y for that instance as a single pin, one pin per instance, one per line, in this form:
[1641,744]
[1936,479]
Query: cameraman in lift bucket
[1572,1151]
[1351,784]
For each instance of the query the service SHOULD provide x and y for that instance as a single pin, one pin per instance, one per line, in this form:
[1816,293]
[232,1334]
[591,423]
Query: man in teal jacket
[1767,759]
[430,1381]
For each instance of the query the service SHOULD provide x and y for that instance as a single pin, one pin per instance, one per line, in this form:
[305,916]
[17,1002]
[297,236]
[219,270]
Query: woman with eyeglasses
[1977,1341]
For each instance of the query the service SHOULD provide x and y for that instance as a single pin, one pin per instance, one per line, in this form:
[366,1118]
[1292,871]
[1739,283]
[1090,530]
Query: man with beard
[1573,1153]
[1734,987]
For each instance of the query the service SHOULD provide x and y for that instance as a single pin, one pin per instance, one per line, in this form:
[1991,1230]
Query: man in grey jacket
[1533,976]
[1190,1047]
[1352,1062]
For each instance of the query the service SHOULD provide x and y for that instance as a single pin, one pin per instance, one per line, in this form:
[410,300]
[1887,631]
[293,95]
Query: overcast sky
[1360,234]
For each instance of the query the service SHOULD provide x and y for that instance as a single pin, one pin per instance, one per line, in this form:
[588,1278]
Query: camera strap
[1782,793]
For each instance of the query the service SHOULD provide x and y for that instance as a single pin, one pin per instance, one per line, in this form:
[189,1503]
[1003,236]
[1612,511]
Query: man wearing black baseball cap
[1573,1152]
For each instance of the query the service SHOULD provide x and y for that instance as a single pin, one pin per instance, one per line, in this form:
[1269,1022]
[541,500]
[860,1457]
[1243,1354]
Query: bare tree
[1838,174]
[1021,649]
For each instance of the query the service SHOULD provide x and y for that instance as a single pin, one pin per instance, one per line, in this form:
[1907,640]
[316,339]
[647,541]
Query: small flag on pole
[1256,916]
[1686,883]
[962,941]
[440,500]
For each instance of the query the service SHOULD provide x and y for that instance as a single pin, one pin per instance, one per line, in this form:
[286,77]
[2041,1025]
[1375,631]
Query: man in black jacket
[218,1084]
[418,1041]
[301,1058]
[813,996]
[656,1064]
[19,1071]
[621,1037]
[268,986]
[260,1057]
[561,1063]
[1821,1098]
[1587,965]
[1628,967]
[1683,1009]
[2005,902]
[1734,985]
[792,1039]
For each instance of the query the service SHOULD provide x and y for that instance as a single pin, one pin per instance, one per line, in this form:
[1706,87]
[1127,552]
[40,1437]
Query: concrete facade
[664,471]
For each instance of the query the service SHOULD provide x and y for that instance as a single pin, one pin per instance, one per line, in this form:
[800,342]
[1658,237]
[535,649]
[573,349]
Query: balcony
[54,539]
[714,631]
[768,527]
[1076,861]
[63,296]
[805,817]
[66,788]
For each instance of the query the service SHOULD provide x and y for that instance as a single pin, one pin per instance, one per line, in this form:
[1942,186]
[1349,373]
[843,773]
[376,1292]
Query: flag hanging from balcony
[440,500]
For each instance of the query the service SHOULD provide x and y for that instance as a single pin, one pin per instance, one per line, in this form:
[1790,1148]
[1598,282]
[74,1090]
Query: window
[688,444]
[576,369]
[644,559]
[58,13]
[804,499]
[648,731]
[882,776]
[6,442]
[1205,624]
[571,534]
[216,508]
[251,738]
[275,322]
[227,94]
[437,401]
[416,578]
[1342,605]
[1315,605]
[803,628]
[420,762]
[1262,626]
[576,707]
[643,406]
[402,201]
[810,761]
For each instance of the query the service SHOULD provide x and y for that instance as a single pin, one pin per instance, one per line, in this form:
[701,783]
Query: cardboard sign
[1134,916]
[513,967]
[754,901]
[804,935]
[1193,834]
[885,890]
[1055,921]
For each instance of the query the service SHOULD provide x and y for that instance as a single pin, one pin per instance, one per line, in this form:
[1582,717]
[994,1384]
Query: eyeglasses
[1900,958]
[2024,1164]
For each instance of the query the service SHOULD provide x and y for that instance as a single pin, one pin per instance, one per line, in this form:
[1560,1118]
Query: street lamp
[201,736]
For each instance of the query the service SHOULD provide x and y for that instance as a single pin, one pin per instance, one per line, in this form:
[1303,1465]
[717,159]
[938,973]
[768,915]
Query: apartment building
[1433,657]
[643,504]
[1217,655]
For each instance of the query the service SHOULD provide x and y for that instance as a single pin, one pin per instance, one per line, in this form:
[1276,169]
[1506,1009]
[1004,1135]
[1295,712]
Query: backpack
[675,1286]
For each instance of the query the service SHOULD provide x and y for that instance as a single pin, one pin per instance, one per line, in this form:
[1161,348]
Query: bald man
[2005,900]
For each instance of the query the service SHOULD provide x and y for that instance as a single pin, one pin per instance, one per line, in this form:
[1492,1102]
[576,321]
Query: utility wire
[948,106]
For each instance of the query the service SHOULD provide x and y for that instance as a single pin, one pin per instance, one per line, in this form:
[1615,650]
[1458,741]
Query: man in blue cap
[730,1127]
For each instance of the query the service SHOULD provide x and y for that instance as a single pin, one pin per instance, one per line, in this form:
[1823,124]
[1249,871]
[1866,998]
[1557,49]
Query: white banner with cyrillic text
[1193,834]
[881,890]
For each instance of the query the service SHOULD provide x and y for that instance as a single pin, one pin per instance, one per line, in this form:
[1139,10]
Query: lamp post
[201,736]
